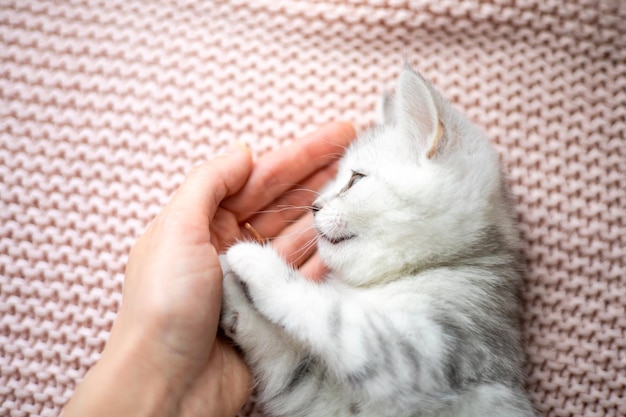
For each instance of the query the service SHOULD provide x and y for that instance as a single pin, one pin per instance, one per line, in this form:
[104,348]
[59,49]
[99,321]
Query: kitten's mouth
[333,240]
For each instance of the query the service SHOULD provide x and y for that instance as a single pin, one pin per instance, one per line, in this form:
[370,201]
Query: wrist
[123,383]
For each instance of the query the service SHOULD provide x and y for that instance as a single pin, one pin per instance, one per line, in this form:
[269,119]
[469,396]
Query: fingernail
[235,148]
[242,146]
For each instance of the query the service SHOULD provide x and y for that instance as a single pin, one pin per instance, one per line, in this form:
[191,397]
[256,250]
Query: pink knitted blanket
[106,104]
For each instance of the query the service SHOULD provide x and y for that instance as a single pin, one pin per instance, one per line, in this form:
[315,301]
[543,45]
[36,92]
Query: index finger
[277,171]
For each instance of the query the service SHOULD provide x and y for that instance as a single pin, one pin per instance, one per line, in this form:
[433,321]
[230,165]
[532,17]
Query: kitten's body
[419,316]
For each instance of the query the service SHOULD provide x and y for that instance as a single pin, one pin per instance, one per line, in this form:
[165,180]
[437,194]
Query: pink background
[105,105]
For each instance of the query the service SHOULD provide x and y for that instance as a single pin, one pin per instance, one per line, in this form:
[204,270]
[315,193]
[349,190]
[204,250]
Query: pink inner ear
[433,148]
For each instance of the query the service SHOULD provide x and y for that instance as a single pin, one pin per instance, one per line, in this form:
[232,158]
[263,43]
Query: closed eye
[356,177]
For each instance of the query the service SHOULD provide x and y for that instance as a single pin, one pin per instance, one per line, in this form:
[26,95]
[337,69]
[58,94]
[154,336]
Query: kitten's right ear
[416,112]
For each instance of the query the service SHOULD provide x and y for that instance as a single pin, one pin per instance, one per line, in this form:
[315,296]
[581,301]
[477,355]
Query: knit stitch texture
[106,104]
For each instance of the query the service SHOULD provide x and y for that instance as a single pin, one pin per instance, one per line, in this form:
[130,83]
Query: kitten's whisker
[295,233]
[282,208]
[304,249]
[317,193]
[294,221]
[336,154]
[340,146]
[287,206]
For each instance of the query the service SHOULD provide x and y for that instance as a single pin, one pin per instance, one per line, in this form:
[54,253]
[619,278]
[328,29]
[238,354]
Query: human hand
[163,356]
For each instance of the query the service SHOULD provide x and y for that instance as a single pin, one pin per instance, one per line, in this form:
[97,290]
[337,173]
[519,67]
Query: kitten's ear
[385,109]
[416,112]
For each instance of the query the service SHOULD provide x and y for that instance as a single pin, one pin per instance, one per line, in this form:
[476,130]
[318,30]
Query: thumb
[208,184]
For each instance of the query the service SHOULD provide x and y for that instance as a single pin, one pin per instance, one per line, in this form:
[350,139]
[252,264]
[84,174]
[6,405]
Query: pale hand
[163,357]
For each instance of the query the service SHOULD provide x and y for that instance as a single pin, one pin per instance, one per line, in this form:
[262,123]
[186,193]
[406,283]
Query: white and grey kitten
[419,314]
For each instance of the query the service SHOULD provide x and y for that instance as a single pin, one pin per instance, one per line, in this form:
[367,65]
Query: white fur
[407,218]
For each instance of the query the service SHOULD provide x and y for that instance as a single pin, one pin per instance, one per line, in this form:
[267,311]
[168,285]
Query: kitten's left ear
[416,112]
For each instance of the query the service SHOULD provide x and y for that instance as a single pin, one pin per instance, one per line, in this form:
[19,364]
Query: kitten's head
[421,189]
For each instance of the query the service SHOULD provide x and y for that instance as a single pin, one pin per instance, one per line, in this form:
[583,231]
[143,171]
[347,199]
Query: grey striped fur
[419,315]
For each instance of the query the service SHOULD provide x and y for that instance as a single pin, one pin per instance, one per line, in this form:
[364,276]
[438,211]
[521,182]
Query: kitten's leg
[357,337]
[269,351]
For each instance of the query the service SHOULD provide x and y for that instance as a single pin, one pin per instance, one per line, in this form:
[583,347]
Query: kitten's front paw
[261,272]
[236,308]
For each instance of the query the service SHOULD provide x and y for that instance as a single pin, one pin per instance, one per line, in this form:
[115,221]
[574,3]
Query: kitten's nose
[316,207]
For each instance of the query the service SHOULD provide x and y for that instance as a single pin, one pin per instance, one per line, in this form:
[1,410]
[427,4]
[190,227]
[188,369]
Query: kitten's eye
[356,177]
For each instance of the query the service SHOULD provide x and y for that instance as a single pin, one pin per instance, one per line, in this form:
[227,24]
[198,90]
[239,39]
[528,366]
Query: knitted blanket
[106,104]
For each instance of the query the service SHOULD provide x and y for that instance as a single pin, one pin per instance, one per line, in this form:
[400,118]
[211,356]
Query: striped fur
[419,315]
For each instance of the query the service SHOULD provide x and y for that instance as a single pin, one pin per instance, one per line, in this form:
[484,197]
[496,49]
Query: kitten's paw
[236,308]
[261,273]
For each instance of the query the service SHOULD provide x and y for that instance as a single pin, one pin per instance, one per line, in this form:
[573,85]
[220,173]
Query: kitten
[419,314]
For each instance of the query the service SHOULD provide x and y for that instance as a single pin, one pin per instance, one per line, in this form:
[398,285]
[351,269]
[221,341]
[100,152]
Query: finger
[277,171]
[207,185]
[297,242]
[314,269]
[223,385]
[293,204]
